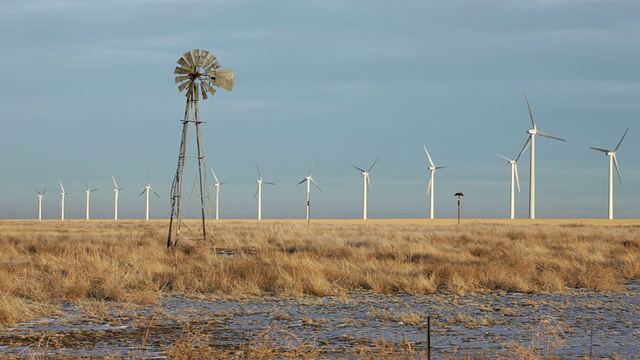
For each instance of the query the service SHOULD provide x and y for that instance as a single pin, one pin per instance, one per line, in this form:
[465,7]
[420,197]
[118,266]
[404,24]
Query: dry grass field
[44,263]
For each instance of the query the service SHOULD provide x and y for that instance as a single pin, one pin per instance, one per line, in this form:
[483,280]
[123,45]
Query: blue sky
[87,92]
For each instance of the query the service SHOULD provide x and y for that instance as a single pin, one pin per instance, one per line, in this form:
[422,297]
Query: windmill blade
[547,135]
[184,85]
[256,194]
[533,121]
[430,184]
[213,66]
[181,71]
[204,91]
[208,60]
[143,191]
[504,157]
[615,162]
[316,185]
[310,168]
[428,155]
[222,183]
[189,58]
[441,167]
[198,57]
[258,168]
[114,182]
[93,190]
[85,184]
[625,134]
[270,183]
[515,165]
[599,149]
[215,177]
[44,191]
[182,78]
[359,169]
[209,87]
[303,180]
[223,78]
[185,64]
[374,164]
[369,186]
[155,193]
[61,187]
[524,148]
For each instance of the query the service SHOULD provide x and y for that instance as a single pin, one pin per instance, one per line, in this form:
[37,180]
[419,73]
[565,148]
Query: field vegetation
[43,263]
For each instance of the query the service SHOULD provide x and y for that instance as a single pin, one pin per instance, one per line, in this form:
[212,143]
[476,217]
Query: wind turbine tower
[198,73]
[309,180]
[116,193]
[218,185]
[366,185]
[532,173]
[88,192]
[431,189]
[514,177]
[259,191]
[40,196]
[613,162]
[148,190]
[62,194]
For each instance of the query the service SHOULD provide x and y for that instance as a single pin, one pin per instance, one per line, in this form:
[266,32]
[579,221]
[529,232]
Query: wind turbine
[613,161]
[218,185]
[532,173]
[514,176]
[259,192]
[431,189]
[62,193]
[309,180]
[116,193]
[40,196]
[148,190]
[367,186]
[88,191]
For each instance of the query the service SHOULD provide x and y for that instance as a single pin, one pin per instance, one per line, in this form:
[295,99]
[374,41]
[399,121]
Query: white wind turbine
[218,185]
[367,186]
[88,192]
[148,190]
[116,193]
[309,180]
[259,191]
[431,189]
[62,194]
[40,196]
[613,161]
[532,173]
[514,177]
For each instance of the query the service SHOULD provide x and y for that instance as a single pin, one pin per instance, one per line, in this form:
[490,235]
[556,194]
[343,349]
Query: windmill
[198,72]
[88,192]
[431,189]
[148,189]
[514,176]
[116,193]
[613,161]
[309,180]
[367,186]
[218,184]
[62,194]
[259,191]
[40,196]
[532,173]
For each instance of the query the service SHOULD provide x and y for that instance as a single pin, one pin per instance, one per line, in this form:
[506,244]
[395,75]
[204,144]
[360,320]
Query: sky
[87,92]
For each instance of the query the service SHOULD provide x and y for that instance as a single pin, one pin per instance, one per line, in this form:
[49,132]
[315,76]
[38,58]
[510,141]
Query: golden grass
[44,262]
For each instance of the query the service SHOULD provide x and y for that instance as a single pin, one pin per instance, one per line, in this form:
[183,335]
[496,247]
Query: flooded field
[570,325]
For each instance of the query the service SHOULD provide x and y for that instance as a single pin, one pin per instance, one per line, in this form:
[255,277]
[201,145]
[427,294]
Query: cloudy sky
[87,92]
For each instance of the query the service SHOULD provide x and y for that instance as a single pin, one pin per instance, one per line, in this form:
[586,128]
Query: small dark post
[459,195]
[429,337]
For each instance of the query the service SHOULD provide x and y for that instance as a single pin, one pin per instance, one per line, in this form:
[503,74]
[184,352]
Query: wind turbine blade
[258,168]
[441,167]
[550,136]
[303,180]
[428,156]
[524,148]
[61,187]
[94,190]
[85,184]
[359,169]
[598,149]
[256,194]
[530,111]
[311,168]
[114,182]
[155,193]
[215,177]
[615,162]
[625,134]
[430,183]
[515,165]
[143,191]
[369,185]
[270,183]
[504,157]
[316,185]
[44,191]
[374,164]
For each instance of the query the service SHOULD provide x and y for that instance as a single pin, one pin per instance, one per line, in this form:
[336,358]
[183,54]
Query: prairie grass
[45,262]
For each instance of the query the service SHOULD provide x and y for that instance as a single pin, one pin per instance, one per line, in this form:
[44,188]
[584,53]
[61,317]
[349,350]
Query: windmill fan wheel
[199,73]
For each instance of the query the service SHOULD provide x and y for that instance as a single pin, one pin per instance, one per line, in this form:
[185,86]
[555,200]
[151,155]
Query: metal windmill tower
[198,72]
